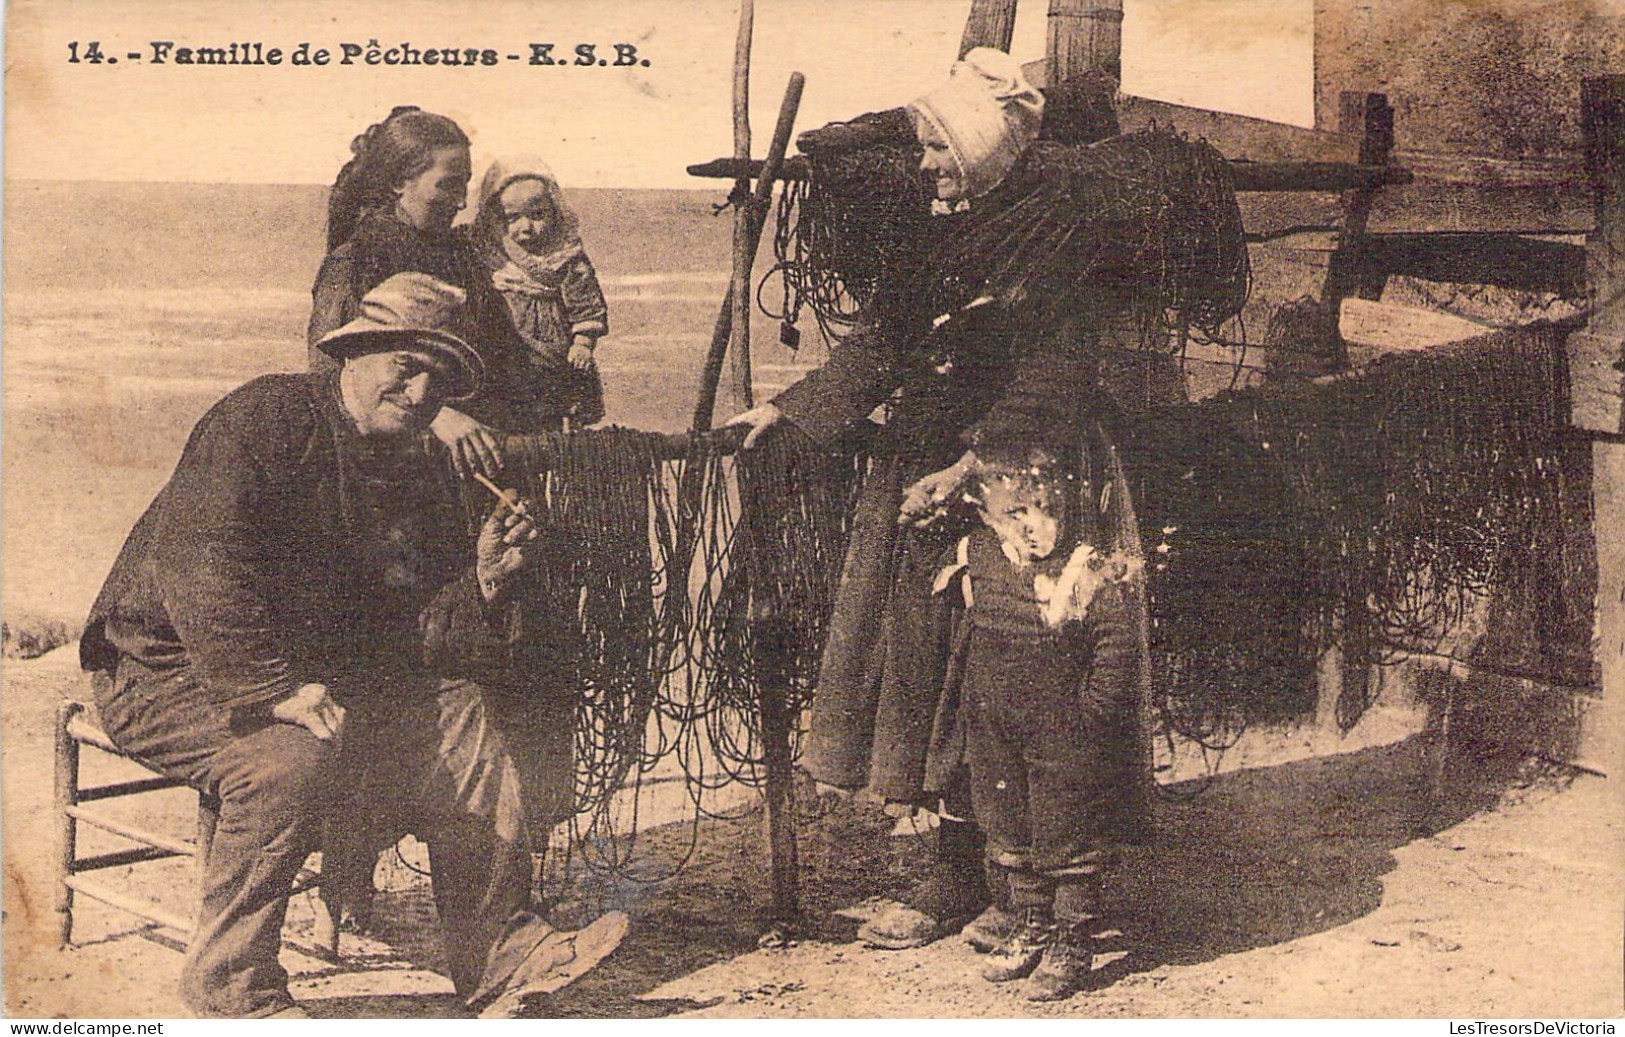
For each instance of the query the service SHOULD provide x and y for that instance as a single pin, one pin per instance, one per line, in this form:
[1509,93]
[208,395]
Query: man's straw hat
[414,311]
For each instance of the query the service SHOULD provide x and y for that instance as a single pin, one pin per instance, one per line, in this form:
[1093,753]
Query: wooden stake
[1602,733]
[744,245]
[761,199]
[733,323]
[1084,35]
[777,727]
[1349,273]
[992,23]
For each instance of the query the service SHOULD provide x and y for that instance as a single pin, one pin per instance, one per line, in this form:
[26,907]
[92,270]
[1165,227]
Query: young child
[531,242]
[1048,702]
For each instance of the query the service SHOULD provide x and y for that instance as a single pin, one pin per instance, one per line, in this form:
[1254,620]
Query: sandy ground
[1318,887]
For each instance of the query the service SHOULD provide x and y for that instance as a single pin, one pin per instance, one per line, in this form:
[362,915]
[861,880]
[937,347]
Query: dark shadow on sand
[1259,857]
[1274,854]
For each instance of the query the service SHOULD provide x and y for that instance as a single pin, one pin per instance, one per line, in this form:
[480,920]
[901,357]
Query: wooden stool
[76,726]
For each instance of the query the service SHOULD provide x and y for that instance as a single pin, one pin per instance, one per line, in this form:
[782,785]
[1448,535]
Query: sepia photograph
[814,509]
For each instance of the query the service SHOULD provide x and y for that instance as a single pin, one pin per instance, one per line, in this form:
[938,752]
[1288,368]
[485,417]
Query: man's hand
[927,500]
[581,354]
[758,419]
[504,547]
[474,447]
[313,709]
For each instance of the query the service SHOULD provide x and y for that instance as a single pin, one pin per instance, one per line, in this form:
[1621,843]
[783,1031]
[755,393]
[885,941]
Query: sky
[635,126]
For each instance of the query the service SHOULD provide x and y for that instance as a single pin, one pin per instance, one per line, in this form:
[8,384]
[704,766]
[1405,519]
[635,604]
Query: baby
[532,245]
[1048,698]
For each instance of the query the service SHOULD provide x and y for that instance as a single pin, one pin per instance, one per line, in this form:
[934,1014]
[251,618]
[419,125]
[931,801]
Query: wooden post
[1597,371]
[1084,36]
[1349,273]
[67,828]
[760,200]
[777,727]
[992,23]
[744,246]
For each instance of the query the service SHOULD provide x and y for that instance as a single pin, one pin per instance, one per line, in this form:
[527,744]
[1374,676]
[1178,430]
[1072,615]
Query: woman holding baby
[534,308]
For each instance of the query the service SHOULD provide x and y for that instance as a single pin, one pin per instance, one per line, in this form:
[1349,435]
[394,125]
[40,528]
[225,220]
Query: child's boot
[1065,966]
[1021,951]
[1069,958]
[989,929]
[1033,896]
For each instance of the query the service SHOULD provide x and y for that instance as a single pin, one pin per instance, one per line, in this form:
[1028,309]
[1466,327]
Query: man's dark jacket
[247,566]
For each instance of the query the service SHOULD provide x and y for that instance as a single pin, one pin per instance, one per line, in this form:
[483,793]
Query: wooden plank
[1444,207]
[1507,260]
[1388,328]
[121,858]
[1602,99]
[82,728]
[1523,261]
[991,23]
[1083,36]
[134,905]
[1239,136]
[1314,176]
[128,788]
[179,847]
[1249,176]
[1433,167]
[1528,714]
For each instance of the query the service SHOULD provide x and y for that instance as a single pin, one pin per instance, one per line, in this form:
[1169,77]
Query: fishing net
[685,578]
[861,219]
[1380,510]
[1147,220]
[1377,510]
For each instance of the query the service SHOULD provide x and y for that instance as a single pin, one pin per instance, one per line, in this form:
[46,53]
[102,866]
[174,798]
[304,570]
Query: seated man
[306,574]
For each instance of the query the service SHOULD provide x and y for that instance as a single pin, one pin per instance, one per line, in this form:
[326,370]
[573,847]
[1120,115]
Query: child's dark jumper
[1048,708]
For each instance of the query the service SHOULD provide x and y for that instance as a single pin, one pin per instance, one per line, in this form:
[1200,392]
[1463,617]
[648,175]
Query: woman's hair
[386,156]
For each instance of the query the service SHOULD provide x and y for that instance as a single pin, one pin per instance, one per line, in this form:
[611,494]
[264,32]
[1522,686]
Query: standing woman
[391,211]
[989,370]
